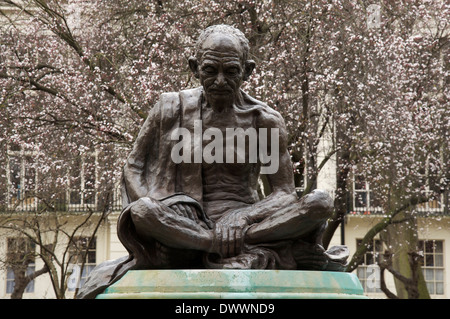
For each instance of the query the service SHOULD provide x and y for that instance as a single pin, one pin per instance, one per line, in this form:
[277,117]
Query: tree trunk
[340,199]
[21,281]
[343,165]
[401,238]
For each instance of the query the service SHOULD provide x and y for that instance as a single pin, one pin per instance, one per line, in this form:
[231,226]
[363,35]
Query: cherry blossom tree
[78,77]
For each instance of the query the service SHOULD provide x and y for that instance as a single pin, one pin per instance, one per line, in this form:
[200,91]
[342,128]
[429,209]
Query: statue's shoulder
[195,93]
[190,98]
[166,104]
[168,99]
[169,102]
[184,96]
[266,115]
[186,93]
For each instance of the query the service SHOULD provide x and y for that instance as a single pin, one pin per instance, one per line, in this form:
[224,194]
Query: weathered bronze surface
[202,214]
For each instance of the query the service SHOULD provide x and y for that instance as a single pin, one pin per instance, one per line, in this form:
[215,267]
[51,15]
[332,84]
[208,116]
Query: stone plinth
[234,284]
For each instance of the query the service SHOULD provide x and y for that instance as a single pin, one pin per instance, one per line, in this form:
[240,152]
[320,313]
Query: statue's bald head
[224,37]
[222,29]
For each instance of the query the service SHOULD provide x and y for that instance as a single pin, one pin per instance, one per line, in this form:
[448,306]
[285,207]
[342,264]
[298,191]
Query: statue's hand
[187,210]
[229,234]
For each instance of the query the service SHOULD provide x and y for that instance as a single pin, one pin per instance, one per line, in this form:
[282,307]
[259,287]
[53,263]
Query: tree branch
[383,286]
[383,224]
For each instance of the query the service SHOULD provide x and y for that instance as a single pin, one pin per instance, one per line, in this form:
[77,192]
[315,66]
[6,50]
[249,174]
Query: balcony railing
[67,201]
[82,201]
[433,207]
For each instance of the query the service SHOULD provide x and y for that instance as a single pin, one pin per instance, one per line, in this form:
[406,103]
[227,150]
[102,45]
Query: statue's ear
[248,69]
[193,65]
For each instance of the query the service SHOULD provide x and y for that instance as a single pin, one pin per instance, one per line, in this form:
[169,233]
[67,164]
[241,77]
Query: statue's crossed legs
[297,219]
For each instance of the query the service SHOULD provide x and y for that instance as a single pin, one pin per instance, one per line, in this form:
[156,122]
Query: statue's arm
[134,169]
[282,180]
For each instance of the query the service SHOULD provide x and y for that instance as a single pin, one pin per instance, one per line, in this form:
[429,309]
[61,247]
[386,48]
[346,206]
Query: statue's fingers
[238,241]
[198,212]
[227,242]
[182,210]
[224,241]
[188,211]
[239,237]
[218,239]
[176,210]
[233,234]
[192,214]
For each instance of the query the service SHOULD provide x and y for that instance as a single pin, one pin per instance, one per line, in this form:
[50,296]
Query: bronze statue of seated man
[193,203]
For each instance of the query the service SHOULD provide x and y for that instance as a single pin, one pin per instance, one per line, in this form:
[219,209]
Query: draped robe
[151,172]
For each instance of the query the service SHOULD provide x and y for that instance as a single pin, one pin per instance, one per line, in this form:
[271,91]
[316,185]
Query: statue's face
[220,68]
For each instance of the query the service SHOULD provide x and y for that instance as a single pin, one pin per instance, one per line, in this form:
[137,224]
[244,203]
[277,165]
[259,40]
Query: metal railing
[111,200]
[67,201]
[434,207]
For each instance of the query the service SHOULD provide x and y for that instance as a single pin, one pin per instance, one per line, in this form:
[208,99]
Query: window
[20,258]
[82,176]
[21,180]
[432,180]
[365,271]
[433,265]
[438,202]
[79,248]
[364,199]
[19,192]
[436,205]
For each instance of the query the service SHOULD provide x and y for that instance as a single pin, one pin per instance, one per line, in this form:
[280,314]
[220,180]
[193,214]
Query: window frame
[88,265]
[425,268]
[31,267]
[361,270]
[80,188]
[368,208]
[21,202]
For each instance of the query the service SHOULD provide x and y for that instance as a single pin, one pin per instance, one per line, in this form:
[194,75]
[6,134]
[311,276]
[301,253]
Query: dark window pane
[75,173]
[89,197]
[429,246]
[12,146]
[360,184]
[369,259]
[378,245]
[75,197]
[438,246]
[14,177]
[89,172]
[360,199]
[374,201]
[91,257]
[30,175]
[429,260]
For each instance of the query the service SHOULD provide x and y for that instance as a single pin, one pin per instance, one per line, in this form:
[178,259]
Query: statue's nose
[220,80]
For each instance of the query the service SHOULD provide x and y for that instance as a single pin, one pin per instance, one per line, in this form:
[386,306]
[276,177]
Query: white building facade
[433,235]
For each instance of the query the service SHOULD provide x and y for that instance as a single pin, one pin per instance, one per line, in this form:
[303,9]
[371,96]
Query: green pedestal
[234,284]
